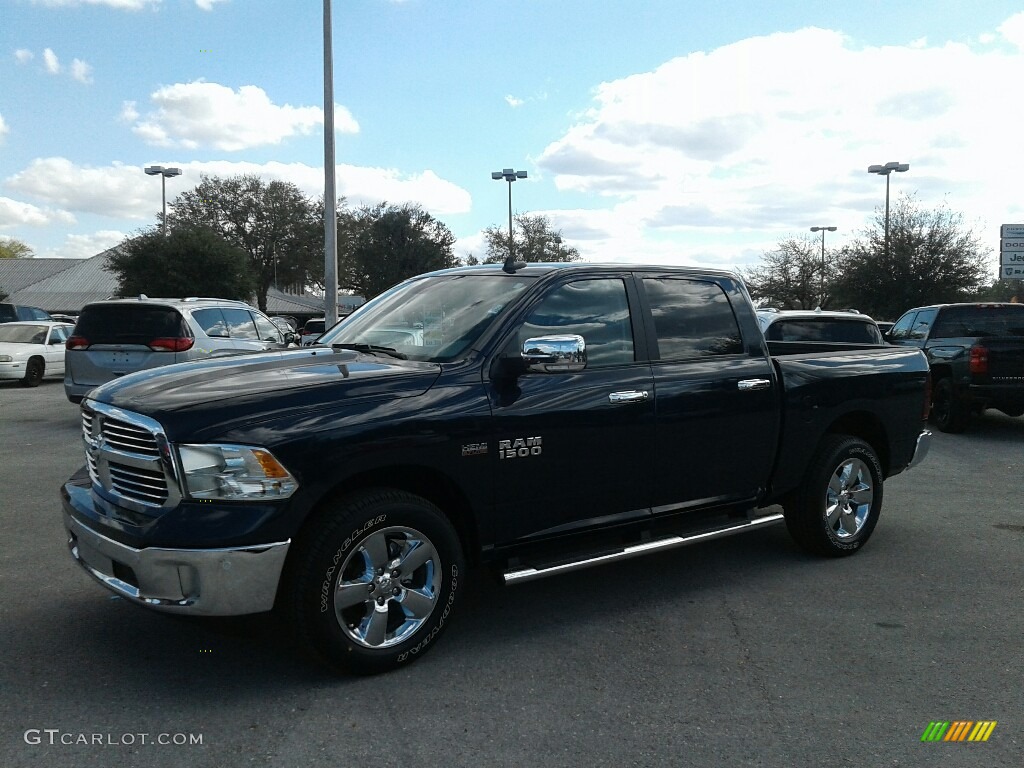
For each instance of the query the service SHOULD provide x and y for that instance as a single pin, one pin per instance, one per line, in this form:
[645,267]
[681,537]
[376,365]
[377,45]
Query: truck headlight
[234,473]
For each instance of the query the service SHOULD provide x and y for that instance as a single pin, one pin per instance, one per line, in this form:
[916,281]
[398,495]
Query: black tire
[836,509]
[949,413]
[347,595]
[34,371]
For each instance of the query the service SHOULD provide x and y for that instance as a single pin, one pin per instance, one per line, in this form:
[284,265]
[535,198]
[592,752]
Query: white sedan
[30,351]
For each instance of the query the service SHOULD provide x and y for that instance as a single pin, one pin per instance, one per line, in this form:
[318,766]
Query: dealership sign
[1011,251]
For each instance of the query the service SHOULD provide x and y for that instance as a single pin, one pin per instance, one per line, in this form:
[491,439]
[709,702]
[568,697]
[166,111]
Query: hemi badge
[474,449]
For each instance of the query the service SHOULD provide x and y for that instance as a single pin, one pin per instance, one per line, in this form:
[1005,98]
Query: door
[573,449]
[716,399]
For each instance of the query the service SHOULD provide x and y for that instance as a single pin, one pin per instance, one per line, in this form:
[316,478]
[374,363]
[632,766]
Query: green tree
[794,276]
[279,228]
[533,240]
[187,261]
[381,245]
[932,257]
[14,249]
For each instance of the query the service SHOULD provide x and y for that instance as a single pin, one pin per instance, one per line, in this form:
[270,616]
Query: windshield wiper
[372,349]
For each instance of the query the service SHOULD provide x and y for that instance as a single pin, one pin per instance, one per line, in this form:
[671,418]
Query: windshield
[23,334]
[435,319]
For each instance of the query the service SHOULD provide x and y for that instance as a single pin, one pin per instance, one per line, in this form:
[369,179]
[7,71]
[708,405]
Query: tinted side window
[692,318]
[902,326]
[922,323]
[212,322]
[240,324]
[7,313]
[595,309]
[268,331]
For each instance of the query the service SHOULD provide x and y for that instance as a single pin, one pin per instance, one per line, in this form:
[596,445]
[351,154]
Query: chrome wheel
[388,587]
[848,498]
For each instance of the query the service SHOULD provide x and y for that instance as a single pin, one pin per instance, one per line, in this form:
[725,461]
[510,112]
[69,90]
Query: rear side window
[212,322]
[130,324]
[825,329]
[692,318]
[240,324]
[980,321]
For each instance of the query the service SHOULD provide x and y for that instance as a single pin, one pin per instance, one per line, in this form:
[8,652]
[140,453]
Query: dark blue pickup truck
[524,420]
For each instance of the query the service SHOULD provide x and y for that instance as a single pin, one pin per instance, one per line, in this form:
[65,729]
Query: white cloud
[81,71]
[85,246]
[200,114]
[4,129]
[207,5]
[124,192]
[51,62]
[117,190]
[129,114]
[15,213]
[1013,30]
[126,5]
[513,102]
[23,55]
[772,134]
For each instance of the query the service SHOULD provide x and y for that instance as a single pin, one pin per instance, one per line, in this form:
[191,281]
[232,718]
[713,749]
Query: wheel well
[869,428]
[434,486]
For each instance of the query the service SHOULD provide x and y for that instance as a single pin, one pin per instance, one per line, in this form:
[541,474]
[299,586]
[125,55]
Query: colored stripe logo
[958,730]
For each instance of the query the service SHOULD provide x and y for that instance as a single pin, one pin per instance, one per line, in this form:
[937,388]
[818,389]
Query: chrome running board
[529,574]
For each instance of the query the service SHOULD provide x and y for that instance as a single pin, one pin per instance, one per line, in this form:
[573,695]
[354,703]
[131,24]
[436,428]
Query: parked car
[976,354]
[556,417]
[120,336]
[32,351]
[312,330]
[62,318]
[884,326]
[10,313]
[848,326]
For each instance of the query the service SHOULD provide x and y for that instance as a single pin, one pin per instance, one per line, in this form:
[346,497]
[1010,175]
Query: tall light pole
[330,190]
[163,173]
[823,230]
[885,170]
[509,175]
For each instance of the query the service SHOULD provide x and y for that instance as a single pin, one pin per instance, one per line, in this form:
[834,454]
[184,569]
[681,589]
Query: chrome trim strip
[229,581]
[752,385]
[634,396]
[529,574]
[924,444]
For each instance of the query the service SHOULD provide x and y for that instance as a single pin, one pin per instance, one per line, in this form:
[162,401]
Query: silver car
[122,336]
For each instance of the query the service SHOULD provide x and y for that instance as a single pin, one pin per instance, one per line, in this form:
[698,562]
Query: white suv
[848,326]
[120,336]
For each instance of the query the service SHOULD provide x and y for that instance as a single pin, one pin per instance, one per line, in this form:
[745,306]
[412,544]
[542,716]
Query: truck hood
[240,387]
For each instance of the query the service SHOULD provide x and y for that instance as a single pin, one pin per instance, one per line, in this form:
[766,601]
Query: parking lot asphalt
[737,652]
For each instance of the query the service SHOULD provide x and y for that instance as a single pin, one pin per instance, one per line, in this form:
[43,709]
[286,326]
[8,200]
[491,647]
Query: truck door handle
[634,396]
[750,385]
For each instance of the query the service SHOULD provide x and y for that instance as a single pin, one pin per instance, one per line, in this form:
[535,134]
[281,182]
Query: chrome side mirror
[555,354]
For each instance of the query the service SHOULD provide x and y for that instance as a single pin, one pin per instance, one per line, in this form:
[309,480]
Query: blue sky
[662,131]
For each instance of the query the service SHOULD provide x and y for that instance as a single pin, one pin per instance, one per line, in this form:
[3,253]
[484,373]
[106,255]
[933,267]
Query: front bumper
[924,444]
[12,371]
[201,582]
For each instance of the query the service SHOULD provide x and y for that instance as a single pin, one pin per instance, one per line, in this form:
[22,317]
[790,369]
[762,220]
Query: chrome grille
[128,458]
[129,438]
[143,485]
